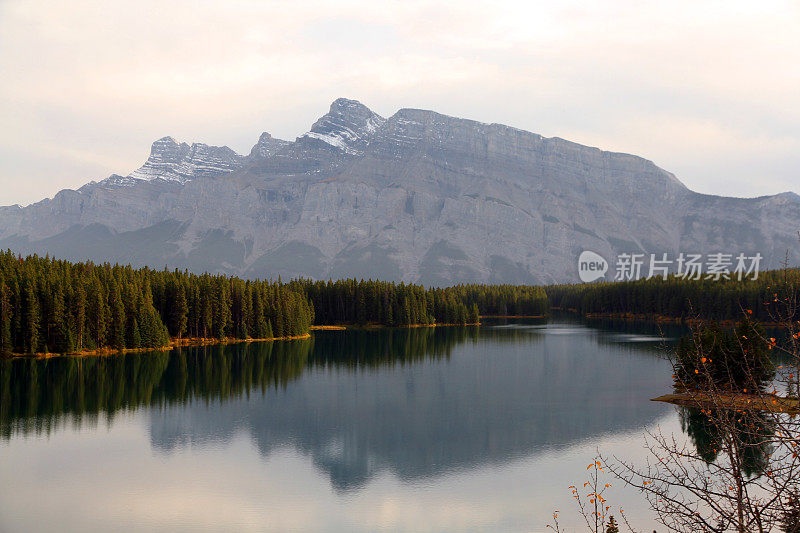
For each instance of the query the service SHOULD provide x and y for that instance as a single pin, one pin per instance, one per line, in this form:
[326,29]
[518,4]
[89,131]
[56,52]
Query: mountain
[418,196]
[349,126]
[180,162]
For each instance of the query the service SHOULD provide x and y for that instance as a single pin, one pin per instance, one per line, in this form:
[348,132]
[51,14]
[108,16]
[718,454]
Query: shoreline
[185,342]
[189,342]
[659,319]
[194,342]
[513,316]
[342,327]
[730,400]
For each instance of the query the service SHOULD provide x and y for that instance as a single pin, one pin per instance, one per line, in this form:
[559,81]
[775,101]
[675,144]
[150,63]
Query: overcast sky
[707,90]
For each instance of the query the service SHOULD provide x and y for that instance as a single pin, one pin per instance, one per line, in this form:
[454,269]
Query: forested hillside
[679,298]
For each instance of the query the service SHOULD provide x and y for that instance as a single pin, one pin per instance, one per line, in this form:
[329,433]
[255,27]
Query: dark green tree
[79,309]
[31,318]
[179,312]
[6,345]
[117,317]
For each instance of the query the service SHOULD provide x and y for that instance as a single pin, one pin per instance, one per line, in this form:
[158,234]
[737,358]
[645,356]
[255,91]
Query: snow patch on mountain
[173,161]
[335,140]
[348,126]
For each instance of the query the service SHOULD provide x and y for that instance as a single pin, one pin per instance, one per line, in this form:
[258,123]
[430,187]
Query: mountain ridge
[417,196]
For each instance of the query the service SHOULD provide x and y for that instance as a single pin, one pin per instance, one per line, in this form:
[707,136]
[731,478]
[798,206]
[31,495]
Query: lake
[426,429]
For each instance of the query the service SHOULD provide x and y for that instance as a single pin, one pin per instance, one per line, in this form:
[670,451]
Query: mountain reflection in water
[416,402]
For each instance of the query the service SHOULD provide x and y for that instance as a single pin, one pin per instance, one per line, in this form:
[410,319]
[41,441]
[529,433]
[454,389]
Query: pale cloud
[708,90]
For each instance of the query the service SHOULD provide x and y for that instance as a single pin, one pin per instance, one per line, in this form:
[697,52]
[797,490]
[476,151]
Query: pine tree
[5,318]
[130,303]
[98,312]
[259,320]
[154,333]
[474,314]
[196,310]
[222,308]
[79,310]
[62,336]
[17,314]
[406,317]
[361,308]
[612,526]
[206,314]
[117,317]
[179,312]
[136,334]
[387,309]
[279,323]
[31,319]
[246,319]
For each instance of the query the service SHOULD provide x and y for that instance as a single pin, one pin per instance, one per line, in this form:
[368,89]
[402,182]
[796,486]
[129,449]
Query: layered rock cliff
[419,196]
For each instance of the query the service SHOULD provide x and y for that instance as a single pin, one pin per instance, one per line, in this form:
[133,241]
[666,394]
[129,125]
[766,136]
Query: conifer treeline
[216,306]
[678,297]
[392,304]
[49,305]
[57,306]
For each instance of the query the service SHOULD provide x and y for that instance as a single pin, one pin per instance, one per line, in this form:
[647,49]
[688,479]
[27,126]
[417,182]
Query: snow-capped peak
[348,126]
[173,161]
[267,145]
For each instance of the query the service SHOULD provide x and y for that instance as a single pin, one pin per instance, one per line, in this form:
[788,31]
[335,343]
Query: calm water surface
[445,429]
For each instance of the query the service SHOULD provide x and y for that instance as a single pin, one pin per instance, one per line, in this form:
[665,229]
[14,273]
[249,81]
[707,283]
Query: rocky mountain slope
[419,196]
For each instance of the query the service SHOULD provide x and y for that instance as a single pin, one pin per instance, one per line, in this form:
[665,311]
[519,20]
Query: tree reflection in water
[36,395]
